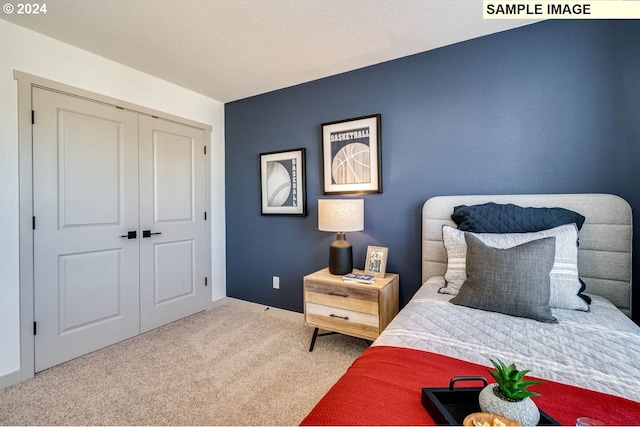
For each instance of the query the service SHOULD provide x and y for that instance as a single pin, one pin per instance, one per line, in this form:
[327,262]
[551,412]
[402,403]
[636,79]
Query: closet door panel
[85,196]
[172,205]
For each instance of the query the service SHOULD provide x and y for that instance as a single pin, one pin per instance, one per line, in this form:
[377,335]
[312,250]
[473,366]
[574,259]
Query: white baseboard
[217,303]
[259,308]
[10,379]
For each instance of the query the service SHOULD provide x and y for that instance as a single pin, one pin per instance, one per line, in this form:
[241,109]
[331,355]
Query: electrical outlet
[276,282]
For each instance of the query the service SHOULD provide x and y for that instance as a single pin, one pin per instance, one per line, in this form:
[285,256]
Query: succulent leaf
[520,375]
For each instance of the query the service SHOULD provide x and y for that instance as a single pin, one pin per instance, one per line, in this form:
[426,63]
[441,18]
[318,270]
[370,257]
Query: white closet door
[172,209]
[85,196]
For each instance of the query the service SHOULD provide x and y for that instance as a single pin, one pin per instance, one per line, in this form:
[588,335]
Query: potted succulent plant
[510,397]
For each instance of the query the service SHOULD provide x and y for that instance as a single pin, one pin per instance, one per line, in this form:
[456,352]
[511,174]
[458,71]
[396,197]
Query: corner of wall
[10,379]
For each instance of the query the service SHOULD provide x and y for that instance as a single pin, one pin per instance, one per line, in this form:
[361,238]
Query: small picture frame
[351,156]
[283,183]
[376,262]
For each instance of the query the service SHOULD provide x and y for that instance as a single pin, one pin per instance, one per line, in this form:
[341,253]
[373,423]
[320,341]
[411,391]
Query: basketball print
[278,184]
[351,164]
[351,156]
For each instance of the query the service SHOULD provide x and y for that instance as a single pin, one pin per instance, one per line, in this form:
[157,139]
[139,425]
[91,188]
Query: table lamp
[340,216]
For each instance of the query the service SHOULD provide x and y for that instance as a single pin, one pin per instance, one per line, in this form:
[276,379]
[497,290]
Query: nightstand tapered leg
[313,339]
[316,335]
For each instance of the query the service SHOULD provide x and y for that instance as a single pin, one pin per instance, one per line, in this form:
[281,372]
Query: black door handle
[148,233]
[131,235]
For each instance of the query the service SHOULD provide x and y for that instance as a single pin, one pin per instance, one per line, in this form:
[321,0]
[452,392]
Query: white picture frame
[376,261]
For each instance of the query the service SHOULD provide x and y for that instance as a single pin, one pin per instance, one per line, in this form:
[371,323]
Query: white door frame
[25,153]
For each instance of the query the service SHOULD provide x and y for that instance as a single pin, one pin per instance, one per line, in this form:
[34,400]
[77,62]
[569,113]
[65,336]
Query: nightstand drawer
[347,297]
[341,320]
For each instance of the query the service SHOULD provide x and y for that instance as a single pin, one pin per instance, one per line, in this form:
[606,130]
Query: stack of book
[358,278]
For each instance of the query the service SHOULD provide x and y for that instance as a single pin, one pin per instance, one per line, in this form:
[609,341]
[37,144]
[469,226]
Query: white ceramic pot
[524,411]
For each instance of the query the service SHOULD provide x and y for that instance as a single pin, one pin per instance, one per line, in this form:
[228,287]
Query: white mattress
[598,350]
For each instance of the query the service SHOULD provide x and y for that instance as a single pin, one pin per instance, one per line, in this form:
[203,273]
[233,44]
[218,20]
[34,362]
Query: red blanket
[384,387]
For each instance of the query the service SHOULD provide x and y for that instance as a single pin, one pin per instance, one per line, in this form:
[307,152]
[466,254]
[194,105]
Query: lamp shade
[341,215]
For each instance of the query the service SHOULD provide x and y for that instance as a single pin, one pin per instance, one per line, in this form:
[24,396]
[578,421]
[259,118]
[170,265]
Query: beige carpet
[227,366]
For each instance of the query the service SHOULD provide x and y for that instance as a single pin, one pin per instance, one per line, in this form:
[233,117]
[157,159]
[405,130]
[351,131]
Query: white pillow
[565,283]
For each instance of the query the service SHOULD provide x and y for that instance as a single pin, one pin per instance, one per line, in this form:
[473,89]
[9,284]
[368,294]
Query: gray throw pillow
[565,283]
[513,281]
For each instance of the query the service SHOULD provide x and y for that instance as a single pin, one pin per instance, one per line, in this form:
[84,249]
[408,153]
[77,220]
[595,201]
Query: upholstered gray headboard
[604,254]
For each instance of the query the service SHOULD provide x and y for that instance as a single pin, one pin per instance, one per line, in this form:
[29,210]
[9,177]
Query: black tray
[449,406]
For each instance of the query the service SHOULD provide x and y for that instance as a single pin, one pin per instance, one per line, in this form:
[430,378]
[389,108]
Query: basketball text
[349,135]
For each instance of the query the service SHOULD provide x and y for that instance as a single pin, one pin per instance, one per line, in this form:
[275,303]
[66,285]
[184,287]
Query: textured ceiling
[232,49]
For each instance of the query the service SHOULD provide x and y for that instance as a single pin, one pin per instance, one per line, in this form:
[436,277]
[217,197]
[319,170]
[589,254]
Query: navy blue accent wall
[547,108]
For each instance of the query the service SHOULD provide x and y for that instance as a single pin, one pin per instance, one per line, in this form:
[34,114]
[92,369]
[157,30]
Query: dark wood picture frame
[351,156]
[283,182]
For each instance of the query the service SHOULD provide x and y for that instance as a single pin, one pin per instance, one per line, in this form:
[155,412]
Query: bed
[588,358]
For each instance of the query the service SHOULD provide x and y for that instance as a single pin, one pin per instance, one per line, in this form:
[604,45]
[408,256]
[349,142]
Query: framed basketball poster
[351,156]
[283,183]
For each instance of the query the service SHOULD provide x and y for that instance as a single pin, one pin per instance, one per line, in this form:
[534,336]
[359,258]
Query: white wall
[32,53]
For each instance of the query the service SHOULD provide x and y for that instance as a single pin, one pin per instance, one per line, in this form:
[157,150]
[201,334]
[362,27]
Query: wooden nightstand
[356,309]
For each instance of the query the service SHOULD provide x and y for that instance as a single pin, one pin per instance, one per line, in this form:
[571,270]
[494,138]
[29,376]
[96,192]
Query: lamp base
[340,256]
